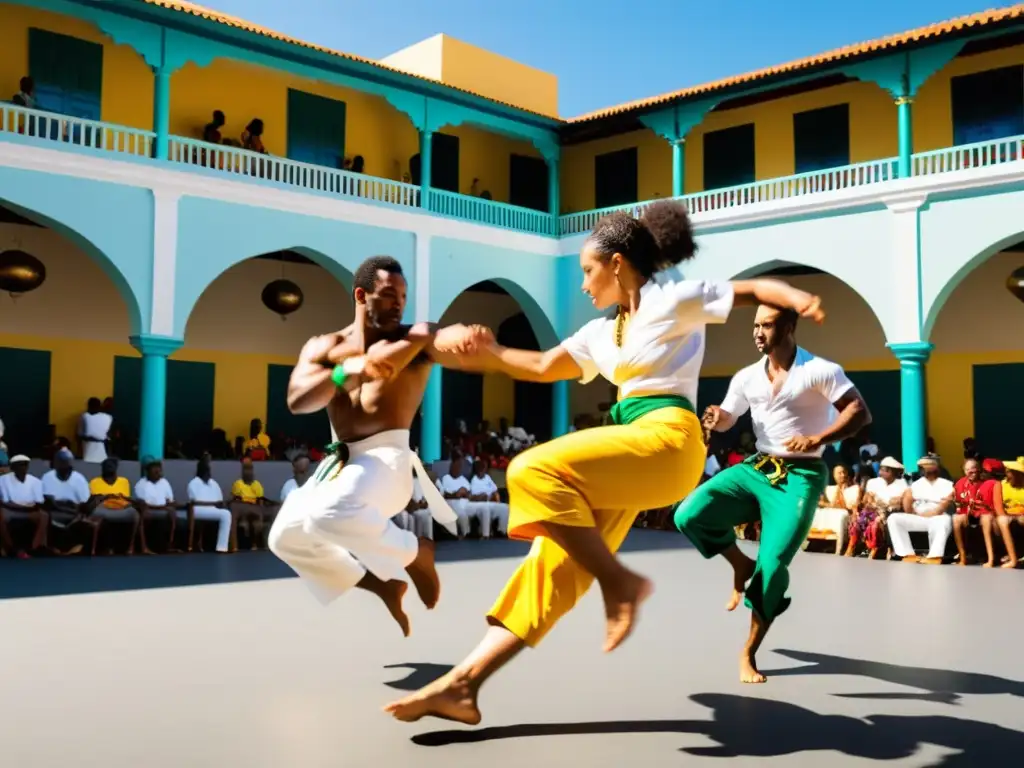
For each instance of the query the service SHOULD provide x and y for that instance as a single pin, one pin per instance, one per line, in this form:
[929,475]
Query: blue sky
[605,52]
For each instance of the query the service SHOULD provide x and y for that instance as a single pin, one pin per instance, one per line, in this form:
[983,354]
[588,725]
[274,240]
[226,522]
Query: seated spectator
[839,504]
[882,496]
[455,488]
[211,131]
[1012,491]
[111,502]
[206,504]
[21,500]
[483,489]
[416,516]
[252,137]
[249,506]
[300,472]
[977,500]
[926,507]
[65,494]
[153,494]
[257,447]
[26,95]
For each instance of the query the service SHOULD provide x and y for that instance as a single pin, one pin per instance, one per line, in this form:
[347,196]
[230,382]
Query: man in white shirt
[65,494]
[799,403]
[455,488]
[927,508]
[883,495]
[416,516]
[206,504]
[21,500]
[300,470]
[93,431]
[483,490]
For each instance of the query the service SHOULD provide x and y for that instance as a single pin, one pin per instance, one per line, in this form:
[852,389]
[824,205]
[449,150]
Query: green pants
[742,494]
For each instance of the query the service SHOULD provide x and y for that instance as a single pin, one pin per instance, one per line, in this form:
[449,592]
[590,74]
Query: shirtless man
[336,531]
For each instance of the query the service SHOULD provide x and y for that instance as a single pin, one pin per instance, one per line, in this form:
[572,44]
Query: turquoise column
[678,167]
[554,193]
[430,418]
[426,153]
[155,351]
[161,111]
[906,135]
[559,408]
[913,401]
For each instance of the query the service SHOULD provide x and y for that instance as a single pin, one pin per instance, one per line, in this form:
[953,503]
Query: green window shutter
[316,129]
[25,399]
[68,73]
[313,429]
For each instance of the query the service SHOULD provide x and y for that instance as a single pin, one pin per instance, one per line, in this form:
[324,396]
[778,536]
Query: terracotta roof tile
[839,54]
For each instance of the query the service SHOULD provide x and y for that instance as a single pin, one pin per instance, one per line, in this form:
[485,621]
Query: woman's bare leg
[743,571]
[986,532]
[959,526]
[748,663]
[454,695]
[1005,529]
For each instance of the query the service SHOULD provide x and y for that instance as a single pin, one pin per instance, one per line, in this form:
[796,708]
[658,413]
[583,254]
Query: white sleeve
[578,347]
[704,301]
[735,402]
[82,488]
[37,488]
[3,489]
[831,380]
[192,489]
[220,493]
[48,482]
[440,484]
[492,487]
[168,491]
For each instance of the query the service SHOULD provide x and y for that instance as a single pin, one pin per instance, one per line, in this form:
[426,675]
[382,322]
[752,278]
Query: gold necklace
[620,327]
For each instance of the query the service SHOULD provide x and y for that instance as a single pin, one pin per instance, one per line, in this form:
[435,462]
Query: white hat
[20,458]
[891,463]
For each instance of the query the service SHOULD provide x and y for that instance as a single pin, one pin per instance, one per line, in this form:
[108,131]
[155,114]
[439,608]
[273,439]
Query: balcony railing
[18,122]
[30,125]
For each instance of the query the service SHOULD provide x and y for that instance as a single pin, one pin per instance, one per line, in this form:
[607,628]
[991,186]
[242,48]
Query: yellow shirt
[1013,499]
[99,487]
[262,440]
[247,492]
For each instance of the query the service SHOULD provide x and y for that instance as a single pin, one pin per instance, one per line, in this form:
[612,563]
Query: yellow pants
[601,477]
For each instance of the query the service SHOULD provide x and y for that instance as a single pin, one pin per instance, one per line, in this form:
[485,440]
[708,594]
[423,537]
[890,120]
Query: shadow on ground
[46,577]
[752,727]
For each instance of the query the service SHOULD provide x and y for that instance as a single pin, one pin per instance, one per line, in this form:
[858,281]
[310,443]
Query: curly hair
[366,274]
[661,238]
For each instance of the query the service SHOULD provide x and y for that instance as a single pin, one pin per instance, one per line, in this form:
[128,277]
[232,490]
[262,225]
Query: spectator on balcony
[484,490]
[111,502]
[65,493]
[882,496]
[206,504]
[358,164]
[300,471]
[211,131]
[249,506]
[93,431]
[1012,489]
[26,96]
[21,500]
[978,500]
[153,494]
[926,507]
[257,447]
[252,137]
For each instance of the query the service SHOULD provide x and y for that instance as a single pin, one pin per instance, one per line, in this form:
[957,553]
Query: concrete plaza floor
[214,660]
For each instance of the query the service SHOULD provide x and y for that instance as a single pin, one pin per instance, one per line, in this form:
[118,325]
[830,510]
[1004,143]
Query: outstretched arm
[777,294]
[556,364]
[440,344]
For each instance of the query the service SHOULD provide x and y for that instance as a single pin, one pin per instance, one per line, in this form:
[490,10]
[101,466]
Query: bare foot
[989,564]
[622,608]
[451,697]
[423,573]
[748,670]
[912,559]
[962,561]
[392,594]
[1010,564]
[741,574]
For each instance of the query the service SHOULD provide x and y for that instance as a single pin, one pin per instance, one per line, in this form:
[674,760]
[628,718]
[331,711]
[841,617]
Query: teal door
[313,429]
[188,418]
[25,400]
[68,74]
[316,129]
[998,413]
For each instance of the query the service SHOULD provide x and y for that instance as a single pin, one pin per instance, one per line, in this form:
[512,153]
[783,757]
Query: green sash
[632,408]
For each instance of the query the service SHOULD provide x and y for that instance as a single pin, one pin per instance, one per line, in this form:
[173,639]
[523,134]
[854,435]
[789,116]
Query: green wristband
[338,376]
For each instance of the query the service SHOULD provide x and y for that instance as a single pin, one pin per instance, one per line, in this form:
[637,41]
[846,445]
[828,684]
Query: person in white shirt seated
[416,516]
[883,495]
[93,431]
[153,494]
[484,490]
[927,507]
[21,500]
[839,504]
[300,471]
[455,488]
[65,494]
[206,504]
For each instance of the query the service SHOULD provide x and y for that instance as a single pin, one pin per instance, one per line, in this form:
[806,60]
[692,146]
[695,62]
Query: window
[821,138]
[68,73]
[988,105]
[615,178]
[309,428]
[528,182]
[729,157]
[444,162]
[316,129]
[25,395]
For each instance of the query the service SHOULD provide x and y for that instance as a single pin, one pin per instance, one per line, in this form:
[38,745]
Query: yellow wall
[486,156]
[127,80]
[654,168]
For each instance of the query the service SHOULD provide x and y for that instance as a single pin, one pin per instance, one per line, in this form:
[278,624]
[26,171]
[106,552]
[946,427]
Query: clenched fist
[463,339]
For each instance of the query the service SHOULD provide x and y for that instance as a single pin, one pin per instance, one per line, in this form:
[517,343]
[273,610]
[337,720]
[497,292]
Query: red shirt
[974,498]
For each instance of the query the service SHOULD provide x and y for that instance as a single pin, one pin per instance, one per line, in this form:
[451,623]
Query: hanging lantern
[282,297]
[1015,283]
[20,272]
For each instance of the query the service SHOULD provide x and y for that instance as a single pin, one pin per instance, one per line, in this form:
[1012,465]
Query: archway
[58,342]
[238,355]
[976,370]
[851,336]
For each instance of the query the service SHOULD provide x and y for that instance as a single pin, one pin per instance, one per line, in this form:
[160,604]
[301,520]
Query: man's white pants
[482,511]
[337,517]
[217,515]
[938,528]
[420,522]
